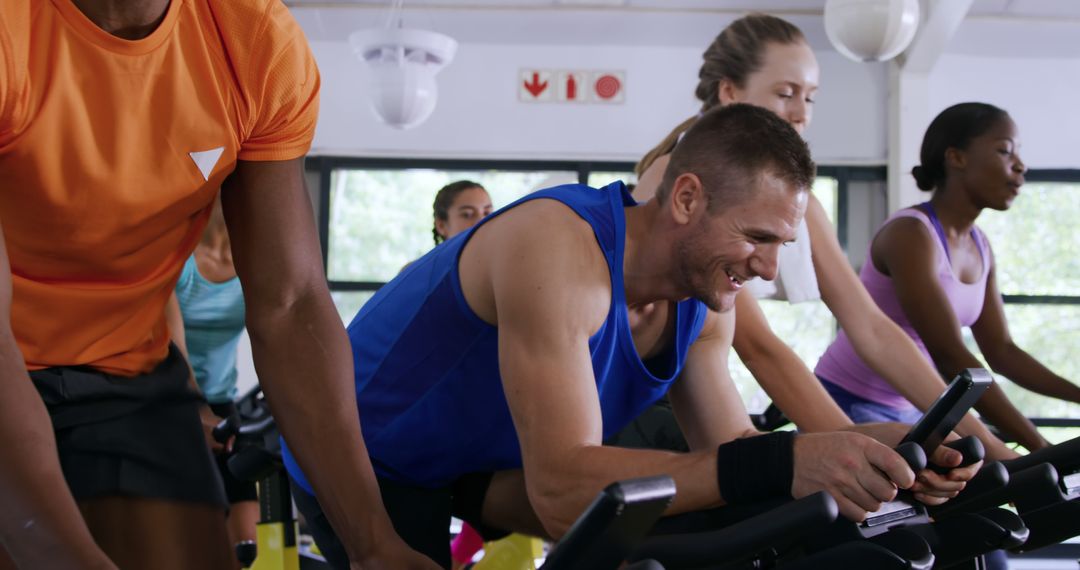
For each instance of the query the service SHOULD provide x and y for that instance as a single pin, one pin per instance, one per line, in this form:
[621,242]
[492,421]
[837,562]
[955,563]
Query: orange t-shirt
[111,152]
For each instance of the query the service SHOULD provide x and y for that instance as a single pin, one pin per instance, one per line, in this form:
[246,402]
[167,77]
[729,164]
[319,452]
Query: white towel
[795,281]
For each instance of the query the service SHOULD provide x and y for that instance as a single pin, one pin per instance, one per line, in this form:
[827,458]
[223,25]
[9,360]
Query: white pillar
[909,112]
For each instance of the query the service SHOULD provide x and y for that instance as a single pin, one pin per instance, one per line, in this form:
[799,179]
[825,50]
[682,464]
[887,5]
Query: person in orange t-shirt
[119,123]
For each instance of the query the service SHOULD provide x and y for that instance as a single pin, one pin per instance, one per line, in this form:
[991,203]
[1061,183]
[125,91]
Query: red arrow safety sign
[571,86]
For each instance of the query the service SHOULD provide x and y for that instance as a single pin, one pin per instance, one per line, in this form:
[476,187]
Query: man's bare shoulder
[541,253]
[550,229]
[543,215]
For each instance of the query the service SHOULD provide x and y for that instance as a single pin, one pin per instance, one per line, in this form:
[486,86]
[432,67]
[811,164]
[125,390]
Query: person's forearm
[40,524]
[784,376]
[996,407]
[1017,365]
[794,389]
[304,363]
[560,490]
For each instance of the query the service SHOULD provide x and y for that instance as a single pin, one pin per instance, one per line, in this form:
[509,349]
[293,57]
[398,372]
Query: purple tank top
[840,364]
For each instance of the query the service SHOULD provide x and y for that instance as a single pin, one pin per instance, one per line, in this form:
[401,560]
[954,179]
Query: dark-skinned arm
[991,333]
[906,252]
[303,357]
[40,524]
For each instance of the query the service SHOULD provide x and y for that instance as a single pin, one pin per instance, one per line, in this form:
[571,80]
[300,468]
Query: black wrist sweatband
[755,469]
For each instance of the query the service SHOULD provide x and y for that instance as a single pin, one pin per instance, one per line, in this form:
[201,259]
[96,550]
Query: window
[381,219]
[1035,243]
[1038,272]
[348,303]
[600,179]
[375,215]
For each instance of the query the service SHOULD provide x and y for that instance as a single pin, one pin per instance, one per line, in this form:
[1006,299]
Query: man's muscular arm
[40,526]
[855,469]
[548,297]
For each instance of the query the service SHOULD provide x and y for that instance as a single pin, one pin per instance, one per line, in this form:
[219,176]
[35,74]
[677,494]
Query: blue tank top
[213,321]
[431,401]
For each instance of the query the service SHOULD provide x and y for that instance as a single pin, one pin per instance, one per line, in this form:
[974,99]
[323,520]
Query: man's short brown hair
[730,147]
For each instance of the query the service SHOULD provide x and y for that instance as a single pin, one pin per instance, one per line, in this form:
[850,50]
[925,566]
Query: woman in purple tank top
[932,271]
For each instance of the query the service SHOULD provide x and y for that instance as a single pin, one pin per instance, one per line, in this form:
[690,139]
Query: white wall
[1040,94]
[479,115]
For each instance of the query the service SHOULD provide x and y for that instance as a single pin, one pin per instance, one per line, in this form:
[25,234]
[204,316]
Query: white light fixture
[871,30]
[402,64]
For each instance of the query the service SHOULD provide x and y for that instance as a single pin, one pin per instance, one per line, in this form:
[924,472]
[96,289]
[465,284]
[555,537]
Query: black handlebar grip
[970,447]
[253,464]
[1065,457]
[225,429]
[913,454]
[984,491]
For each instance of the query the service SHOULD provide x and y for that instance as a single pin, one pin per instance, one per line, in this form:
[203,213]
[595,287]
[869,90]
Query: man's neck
[647,262]
[127,19]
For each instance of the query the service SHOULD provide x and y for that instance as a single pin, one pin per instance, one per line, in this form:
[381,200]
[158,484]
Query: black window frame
[1065,176]
[323,167]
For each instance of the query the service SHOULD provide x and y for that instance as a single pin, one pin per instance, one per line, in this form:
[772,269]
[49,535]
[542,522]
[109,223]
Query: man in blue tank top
[490,370]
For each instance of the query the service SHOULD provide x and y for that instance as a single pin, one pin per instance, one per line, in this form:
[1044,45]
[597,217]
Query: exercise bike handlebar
[1065,457]
[913,454]
[744,539]
[994,486]
[971,450]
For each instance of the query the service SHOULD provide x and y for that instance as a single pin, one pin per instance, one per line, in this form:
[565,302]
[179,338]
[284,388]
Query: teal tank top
[213,321]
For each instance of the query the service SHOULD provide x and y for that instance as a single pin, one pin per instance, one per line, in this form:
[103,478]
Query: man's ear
[687,198]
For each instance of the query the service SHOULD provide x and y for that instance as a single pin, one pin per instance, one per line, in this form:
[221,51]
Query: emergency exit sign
[571,86]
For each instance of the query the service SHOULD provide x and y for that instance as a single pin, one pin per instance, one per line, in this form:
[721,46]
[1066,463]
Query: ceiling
[999,28]
[1008,8]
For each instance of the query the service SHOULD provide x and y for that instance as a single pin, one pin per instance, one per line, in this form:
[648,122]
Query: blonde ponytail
[665,147]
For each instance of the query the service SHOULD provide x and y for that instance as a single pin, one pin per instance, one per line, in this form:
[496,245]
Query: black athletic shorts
[421,517]
[135,436]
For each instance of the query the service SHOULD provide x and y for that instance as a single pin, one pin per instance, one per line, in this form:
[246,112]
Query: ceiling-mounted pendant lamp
[402,65]
[871,30]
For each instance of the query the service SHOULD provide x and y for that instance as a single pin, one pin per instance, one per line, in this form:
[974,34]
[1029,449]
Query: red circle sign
[607,86]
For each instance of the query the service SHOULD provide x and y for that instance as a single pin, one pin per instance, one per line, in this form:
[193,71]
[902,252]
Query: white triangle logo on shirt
[206,160]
